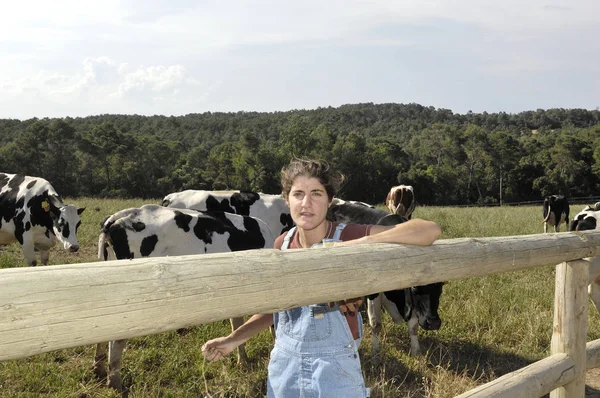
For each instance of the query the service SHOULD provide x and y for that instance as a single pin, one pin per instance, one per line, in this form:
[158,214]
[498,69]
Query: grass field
[491,326]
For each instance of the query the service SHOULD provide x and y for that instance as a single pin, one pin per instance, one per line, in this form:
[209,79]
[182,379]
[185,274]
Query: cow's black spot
[148,245]
[586,224]
[8,200]
[213,204]
[403,301]
[31,184]
[27,226]
[16,182]
[218,222]
[39,216]
[286,220]
[242,201]
[138,226]
[118,237]
[182,220]
[105,251]
[207,225]
[19,226]
[3,180]
[66,230]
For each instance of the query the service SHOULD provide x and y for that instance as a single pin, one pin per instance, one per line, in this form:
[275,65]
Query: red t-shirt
[350,232]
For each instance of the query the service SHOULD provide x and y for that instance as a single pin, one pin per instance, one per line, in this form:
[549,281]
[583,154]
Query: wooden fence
[44,309]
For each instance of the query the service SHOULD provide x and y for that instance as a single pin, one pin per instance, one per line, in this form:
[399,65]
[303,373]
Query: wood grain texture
[54,307]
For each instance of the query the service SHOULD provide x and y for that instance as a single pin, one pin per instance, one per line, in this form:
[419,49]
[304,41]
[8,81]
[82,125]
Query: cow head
[585,220]
[65,221]
[401,200]
[425,302]
[421,301]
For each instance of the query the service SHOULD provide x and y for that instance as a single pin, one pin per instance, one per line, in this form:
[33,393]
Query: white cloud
[107,86]
[189,56]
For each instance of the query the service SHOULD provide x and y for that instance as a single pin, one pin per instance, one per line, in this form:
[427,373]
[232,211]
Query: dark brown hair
[318,169]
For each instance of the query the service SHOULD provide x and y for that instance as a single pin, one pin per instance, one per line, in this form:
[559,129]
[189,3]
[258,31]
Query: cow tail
[548,215]
[105,251]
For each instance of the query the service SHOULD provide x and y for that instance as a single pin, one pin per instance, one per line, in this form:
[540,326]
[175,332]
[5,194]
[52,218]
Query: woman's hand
[216,349]
[349,306]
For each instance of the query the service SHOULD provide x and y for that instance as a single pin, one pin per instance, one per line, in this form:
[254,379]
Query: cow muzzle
[71,248]
[431,323]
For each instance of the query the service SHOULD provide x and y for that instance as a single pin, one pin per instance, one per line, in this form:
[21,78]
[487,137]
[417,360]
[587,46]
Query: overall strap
[287,238]
[338,231]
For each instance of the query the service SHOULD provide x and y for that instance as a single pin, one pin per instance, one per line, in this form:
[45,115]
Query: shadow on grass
[476,362]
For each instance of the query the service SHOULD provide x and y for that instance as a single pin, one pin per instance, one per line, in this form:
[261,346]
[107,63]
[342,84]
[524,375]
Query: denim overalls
[314,353]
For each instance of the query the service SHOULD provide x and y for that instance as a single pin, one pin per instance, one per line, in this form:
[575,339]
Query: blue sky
[80,58]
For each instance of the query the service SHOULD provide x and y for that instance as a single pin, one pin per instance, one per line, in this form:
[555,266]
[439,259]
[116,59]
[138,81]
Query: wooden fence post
[570,323]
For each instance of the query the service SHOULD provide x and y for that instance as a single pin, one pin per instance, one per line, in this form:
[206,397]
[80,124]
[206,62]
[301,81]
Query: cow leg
[44,256]
[29,252]
[413,329]
[242,357]
[100,361]
[545,227]
[594,278]
[115,353]
[374,313]
[594,292]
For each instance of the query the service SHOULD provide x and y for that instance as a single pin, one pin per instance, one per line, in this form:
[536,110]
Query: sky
[81,58]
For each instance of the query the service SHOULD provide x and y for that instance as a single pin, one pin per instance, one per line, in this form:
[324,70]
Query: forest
[450,158]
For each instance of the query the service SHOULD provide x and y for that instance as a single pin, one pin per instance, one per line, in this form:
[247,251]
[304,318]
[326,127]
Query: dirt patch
[592,383]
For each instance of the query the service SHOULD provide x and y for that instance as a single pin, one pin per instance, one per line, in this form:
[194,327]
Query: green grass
[491,326]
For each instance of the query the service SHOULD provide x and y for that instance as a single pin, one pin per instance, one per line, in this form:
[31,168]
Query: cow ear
[55,201]
[80,210]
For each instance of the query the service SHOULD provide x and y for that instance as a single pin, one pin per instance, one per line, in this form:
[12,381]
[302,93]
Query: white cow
[155,231]
[589,219]
[33,214]
[272,209]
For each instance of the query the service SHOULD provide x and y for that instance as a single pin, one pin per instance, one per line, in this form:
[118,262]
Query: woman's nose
[306,200]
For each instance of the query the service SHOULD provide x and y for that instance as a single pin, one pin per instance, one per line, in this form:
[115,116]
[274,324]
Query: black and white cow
[272,209]
[33,214]
[156,231]
[401,200]
[589,219]
[556,211]
[416,305]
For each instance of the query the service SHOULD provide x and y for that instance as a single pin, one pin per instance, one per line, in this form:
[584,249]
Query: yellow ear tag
[45,206]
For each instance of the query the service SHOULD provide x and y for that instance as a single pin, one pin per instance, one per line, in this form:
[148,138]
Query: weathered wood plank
[48,308]
[570,323]
[592,351]
[534,380]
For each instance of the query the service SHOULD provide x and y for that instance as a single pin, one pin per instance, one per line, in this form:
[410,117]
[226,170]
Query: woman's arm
[217,348]
[413,232]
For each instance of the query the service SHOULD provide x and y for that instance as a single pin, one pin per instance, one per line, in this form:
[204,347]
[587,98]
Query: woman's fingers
[350,306]
[212,354]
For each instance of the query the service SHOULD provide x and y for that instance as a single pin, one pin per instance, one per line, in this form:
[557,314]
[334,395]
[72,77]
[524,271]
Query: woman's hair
[318,169]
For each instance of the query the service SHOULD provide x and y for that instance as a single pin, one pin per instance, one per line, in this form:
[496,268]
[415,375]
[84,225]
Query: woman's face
[308,202]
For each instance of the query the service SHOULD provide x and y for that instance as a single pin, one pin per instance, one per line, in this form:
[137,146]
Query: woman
[316,346]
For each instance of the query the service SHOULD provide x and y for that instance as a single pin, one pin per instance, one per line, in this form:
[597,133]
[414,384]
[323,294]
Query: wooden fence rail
[44,309]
